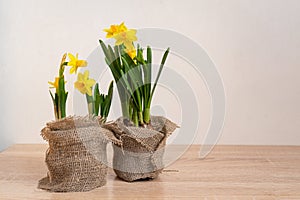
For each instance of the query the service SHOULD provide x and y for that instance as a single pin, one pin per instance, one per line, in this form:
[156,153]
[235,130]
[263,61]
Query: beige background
[254,43]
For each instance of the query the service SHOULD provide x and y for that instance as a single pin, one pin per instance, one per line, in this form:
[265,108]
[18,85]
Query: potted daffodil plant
[76,157]
[143,136]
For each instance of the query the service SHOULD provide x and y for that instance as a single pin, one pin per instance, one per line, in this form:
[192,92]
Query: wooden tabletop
[229,172]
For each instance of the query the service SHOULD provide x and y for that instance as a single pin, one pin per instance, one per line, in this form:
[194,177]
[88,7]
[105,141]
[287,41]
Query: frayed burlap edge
[75,122]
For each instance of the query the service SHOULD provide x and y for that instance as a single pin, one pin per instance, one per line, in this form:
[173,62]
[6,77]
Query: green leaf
[56,107]
[104,48]
[133,90]
[117,56]
[55,104]
[159,72]
[101,104]
[109,97]
[62,97]
[147,77]
[96,99]
[52,97]
[129,60]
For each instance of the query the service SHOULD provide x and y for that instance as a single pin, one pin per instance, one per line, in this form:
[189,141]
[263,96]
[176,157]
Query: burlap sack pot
[140,155]
[76,157]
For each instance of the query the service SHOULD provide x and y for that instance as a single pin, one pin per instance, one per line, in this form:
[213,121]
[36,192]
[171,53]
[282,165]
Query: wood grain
[229,172]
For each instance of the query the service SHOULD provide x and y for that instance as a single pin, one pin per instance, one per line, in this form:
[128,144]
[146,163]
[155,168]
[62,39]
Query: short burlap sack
[76,157]
[140,155]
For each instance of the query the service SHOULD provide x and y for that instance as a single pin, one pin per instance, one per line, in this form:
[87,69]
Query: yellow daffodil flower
[84,84]
[75,63]
[131,51]
[126,38]
[115,29]
[55,83]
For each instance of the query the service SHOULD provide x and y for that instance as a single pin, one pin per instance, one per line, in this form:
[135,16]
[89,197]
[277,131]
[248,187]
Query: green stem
[141,120]
[135,118]
[90,103]
[147,115]
[63,98]
[58,111]
[97,99]
[125,109]
[55,112]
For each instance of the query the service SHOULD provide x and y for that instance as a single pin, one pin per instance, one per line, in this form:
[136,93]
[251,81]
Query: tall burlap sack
[76,157]
[140,155]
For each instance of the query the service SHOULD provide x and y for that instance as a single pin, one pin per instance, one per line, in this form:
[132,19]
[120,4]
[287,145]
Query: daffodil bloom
[75,63]
[131,51]
[115,29]
[84,84]
[126,38]
[55,83]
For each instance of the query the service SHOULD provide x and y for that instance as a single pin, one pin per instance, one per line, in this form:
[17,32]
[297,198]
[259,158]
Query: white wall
[254,43]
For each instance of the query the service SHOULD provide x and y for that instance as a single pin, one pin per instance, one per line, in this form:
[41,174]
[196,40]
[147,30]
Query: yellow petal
[122,27]
[110,31]
[55,83]
[71,57]
[106,30]
[72,63]
[90,83]
[51,84]
[80,87]
[89,91]
[73,69]
[130,34]
[119,42]
[81,63]
[80,77]
[86,75]
[128,45]
[131,52]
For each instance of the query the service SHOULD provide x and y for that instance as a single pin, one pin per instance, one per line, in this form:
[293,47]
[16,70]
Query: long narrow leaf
[107,100]
[110,94]
[61,97]
[109,60]
[52,97]
[96,99]
[134,92]
[55,104]
[147,75]
[159,72]
[104,48]
[117,56]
